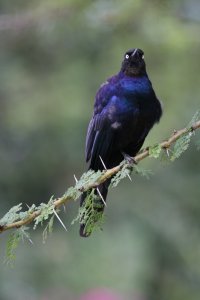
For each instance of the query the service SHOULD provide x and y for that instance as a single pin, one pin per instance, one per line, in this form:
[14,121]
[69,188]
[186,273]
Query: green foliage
[180,146]
[124,172]
[25,235]
[73,193]
[48,229]
[46,209]
[25,214]
[194,119]
[12,215]
[154,151]
[88,178]
[20,234]
[142,172]
[13,242]
[89,215]
[15,214]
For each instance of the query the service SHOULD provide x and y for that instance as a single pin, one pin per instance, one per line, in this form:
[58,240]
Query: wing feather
[98,121]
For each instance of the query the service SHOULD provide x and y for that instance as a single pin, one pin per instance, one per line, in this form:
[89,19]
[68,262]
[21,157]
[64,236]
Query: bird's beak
[135,51]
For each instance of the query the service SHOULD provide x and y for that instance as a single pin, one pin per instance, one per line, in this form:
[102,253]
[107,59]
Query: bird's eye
[143,56]
[126,56]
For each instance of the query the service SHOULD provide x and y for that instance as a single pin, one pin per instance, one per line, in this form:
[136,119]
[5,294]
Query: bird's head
[133,63]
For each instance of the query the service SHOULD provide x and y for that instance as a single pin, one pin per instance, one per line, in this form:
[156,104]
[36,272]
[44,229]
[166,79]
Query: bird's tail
[92,205]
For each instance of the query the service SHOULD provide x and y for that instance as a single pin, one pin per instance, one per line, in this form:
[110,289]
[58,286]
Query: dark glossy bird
[125,109]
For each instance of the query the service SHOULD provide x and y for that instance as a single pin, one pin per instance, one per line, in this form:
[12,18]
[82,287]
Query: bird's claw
[130,160]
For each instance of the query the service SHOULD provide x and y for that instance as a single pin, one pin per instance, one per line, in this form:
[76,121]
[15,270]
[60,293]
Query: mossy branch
[91,180]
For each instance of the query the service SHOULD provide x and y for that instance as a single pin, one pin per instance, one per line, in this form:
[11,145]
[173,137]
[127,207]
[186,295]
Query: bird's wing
[100,135]
[111,111]
[90,138]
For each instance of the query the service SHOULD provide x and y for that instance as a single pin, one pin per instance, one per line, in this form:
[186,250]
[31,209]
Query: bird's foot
[130,160]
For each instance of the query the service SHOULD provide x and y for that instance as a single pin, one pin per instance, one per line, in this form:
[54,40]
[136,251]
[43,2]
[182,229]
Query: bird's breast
[120,109]
[136,85]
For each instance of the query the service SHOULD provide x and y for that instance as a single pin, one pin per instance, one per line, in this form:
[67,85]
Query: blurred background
[53,57]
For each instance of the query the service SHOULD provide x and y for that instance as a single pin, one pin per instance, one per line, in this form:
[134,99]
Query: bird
[125,109]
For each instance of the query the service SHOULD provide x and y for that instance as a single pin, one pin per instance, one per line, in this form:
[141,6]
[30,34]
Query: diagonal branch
[105,175]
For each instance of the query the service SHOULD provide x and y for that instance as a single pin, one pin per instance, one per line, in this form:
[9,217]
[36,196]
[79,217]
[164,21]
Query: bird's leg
[129,158]
[131,161]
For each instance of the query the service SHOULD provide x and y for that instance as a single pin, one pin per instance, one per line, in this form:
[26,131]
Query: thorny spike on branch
[103,176]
